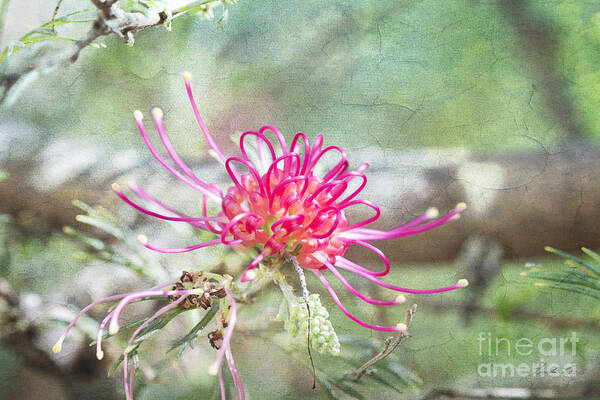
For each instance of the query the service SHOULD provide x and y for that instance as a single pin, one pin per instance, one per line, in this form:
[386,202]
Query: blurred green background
[396,75]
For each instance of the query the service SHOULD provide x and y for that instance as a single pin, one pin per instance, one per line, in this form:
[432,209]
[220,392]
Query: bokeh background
[491,102]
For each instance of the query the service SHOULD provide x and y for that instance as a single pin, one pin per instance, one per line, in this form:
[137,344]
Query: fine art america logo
[553,357]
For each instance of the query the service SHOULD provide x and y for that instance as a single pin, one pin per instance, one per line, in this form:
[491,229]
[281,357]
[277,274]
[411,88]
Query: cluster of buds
[197,280]
[215,338]
[322,335]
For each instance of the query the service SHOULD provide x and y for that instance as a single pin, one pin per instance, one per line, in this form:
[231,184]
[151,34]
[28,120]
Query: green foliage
[577,28]
[146,333]
[45,33]
[390,375]
[110,251]
[187,341]
[140,6]
[575,275]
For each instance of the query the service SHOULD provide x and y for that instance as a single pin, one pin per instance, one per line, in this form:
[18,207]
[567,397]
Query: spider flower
[193,290]
[279,204]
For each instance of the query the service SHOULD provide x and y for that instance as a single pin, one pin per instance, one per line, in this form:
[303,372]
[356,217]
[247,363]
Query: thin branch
[305,296]
[53,20]
[114,20]
[389,346]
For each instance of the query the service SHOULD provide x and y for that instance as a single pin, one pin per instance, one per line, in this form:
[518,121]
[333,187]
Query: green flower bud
[322,335]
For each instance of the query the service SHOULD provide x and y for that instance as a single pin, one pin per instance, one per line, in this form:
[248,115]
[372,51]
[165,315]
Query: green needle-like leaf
[187,341]
[577,260]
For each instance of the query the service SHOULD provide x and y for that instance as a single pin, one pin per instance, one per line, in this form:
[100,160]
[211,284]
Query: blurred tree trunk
[539,40]
[523,200]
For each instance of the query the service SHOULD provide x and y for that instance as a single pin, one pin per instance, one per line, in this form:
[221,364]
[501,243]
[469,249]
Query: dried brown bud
[220,293]
[186,277]
[215,338]
[205,301]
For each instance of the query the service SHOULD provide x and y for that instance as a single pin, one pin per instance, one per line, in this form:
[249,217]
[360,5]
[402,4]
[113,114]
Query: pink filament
[114,323]
[250,167]
[230,225]
[401,231]
[134,335]
[347,178]
[365,222]
[185,249]
[144,195]
[306,149]
[175,157]
[373,249]
[104,300]
[314,152]
[126,385]
[222,384]
[274,166]
[91,305]
[101,331]
[329,186]
[207,135]
[396,288]
[225,346]
[165,217]
[282,185]
[171,169]
[260,138]
[333,226]
[345,311]
[209,226]
[318,156]
[237,381]
[354,291]
[277,133]
[252,265]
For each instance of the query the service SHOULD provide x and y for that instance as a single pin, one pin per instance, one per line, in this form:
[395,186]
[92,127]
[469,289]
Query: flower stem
[305,295]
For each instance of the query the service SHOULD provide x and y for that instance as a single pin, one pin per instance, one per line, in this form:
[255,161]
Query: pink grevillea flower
[195,295]
[280,205]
